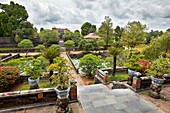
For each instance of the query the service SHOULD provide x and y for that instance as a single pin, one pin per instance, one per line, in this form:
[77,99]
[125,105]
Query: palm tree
[114,52]
[51,53]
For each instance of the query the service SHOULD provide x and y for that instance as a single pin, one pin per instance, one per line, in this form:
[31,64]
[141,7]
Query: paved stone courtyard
[99,99]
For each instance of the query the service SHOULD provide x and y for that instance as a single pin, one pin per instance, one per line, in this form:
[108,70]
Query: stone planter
[156,87]
[131,74]
[62,94]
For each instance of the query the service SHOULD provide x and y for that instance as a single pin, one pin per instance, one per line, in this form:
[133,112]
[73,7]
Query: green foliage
[158,67]
[51,53]
[158,46]
[121,59]
[118,77]
[26,43]
[153,34]
[34,69]
[10,17]
[88,44]
[89,62]
[87,28]
[62,67]
[47,36]
[41,84]
[25,30]
[55,46]
[23,62]
[133,34]
[133,64]
[69,44]
[76,37]
[118,33]
[8,76]
[101,44]
[39,48]
[106,30]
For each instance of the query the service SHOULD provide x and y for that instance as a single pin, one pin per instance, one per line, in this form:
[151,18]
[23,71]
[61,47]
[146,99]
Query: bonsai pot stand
[62,105]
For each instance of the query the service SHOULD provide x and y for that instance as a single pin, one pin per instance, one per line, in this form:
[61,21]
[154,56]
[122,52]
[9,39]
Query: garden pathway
[73,72]
[99,99]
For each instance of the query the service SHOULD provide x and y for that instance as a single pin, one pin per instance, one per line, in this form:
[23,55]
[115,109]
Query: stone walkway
[100,99]
[73,72]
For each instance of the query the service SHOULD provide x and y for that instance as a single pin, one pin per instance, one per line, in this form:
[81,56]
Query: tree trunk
[114,65]
[51,72]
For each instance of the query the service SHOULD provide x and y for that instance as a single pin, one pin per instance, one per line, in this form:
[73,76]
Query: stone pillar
[97,70]
[106,76]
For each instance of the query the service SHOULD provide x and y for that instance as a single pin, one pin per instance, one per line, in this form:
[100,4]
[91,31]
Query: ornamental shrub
[8,76]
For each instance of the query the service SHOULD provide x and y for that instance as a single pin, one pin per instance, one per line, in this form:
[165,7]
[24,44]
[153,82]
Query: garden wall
[26,97]
[6,42]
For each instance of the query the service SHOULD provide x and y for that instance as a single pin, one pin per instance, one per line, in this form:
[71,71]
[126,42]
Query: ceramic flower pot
[131,72]
[33,82]
[62,94]
[157,80]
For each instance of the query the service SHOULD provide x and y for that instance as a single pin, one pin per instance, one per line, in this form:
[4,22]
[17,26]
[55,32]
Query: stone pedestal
[34,87]
[155,90]
[62,105]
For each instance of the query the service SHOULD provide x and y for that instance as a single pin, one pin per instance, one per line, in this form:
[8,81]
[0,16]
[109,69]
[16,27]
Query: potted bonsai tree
[133,65]
[35,71]
[156,70]
[62,77]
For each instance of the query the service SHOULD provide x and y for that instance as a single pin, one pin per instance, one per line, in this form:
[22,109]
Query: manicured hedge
[8,76]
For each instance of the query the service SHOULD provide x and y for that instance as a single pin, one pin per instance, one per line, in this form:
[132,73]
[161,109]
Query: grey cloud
[154,13]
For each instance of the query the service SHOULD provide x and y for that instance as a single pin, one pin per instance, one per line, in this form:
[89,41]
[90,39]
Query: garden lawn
[43,84]
[118,77]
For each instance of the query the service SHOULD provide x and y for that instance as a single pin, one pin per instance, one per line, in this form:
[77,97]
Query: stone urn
[156,87]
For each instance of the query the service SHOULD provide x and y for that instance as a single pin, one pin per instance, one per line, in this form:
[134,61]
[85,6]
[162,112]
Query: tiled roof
[92,36]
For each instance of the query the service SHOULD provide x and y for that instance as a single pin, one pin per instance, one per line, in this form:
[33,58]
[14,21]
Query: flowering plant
[8,76]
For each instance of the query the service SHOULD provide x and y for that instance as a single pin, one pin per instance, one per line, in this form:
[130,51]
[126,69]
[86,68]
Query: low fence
[140,83]
[72,62]
[10,57]
[102,74]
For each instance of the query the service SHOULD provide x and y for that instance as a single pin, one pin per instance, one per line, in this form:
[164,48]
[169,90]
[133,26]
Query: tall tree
[10,17]
[25,30]
[118,33]
[165,43]
[106,30]
[153,34]
[133,34]
[47,36]
[87,28]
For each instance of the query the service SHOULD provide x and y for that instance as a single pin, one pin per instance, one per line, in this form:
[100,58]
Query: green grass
[118,77]
[43,84]
[141,47]
[9,48]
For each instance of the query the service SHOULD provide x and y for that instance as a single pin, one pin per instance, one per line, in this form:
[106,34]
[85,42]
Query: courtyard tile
[99,99]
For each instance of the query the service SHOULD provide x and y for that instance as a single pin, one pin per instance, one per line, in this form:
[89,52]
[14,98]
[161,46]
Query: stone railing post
[97,70]
[106,76]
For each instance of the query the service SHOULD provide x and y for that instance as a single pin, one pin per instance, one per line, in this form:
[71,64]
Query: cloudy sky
[73,13]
